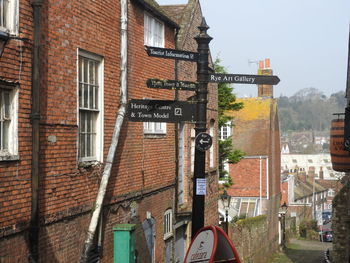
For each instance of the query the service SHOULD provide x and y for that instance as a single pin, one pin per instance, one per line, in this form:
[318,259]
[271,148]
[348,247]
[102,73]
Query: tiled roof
[253,125]
[175,11]
[153,7]
[331,184]
[254,109]
[183,15]
[306,187]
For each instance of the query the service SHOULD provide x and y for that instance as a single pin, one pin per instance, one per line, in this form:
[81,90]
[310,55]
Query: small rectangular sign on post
[244,79]
[172,53]
[171,84]
[161,111]
[201,186]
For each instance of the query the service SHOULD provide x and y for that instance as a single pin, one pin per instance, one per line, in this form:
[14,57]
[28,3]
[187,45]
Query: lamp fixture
[283,208]
[226,200]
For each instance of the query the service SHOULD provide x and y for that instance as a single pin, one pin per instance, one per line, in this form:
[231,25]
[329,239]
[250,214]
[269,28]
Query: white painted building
[304,162]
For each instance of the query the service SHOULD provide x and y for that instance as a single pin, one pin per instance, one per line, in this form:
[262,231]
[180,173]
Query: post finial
[203,27]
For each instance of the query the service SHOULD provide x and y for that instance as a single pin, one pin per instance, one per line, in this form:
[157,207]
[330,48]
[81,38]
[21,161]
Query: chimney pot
[261,64]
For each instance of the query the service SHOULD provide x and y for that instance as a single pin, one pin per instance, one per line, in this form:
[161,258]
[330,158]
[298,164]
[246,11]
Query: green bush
[306,226]
[312,234]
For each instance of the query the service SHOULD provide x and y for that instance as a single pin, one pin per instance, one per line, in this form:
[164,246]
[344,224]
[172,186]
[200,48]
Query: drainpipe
[260,184]
[34,225]
[115,137]
[267,179]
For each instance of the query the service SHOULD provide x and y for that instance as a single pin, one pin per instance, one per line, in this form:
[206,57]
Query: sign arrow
[203,141]
[171,53]
[171,84]
[244,79]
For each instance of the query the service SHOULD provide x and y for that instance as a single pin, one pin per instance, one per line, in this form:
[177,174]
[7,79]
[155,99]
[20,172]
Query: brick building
[64,74]
[256,178]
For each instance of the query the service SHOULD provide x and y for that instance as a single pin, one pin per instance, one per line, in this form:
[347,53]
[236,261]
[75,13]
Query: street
[302,251]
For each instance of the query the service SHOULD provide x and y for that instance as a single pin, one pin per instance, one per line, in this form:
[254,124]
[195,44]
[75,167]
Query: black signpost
[171,53]
[244,79]
[199,182]
[171,84]
[178,111]
[161,111]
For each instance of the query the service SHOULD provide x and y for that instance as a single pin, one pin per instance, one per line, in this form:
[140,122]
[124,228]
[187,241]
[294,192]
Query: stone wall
[250,237]
[341,225]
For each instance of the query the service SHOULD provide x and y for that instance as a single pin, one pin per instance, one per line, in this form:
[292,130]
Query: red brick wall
[144,168]
[15,192]
[246,177]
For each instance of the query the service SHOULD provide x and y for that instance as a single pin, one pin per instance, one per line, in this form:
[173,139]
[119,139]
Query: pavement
[302,251]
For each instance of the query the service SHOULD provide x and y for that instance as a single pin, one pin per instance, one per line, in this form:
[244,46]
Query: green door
[124,243]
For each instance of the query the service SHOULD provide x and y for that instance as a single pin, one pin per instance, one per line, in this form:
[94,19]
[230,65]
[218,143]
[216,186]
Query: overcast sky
[306,41]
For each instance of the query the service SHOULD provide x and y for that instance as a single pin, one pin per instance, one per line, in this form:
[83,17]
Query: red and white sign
[202,247]
[211,244]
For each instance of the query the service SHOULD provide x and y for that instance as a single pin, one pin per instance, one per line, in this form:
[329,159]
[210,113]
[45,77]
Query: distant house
[309,180]
[285,149]
[310,162]
[256,178]
[300,191]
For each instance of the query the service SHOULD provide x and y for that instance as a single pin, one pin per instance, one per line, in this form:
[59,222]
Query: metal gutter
[34,225]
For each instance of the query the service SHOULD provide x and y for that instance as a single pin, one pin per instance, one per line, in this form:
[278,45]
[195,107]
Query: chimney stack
[321,176]
[264,69]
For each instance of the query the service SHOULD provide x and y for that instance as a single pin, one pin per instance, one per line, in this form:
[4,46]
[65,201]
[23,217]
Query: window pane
[86,96]
[3,12]
[96,75]
[85,70]
[80,95]
[93,143]
[6,134]
[91,97]
[96,98]
[92,72]
[82,122]
[88,144]
[88,123]
[80,69]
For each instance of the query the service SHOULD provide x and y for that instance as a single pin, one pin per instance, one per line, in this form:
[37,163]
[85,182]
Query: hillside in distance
[309,110]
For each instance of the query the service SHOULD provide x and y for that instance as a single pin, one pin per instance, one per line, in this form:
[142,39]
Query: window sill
[84,163]
[5,158]
[154,135]
[167,236]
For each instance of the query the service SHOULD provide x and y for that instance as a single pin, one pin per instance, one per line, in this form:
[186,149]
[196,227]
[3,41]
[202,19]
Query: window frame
[11,151]
[153,128]
[168,224]
[156,128]
[98,122]
[9,23]
[150,23]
